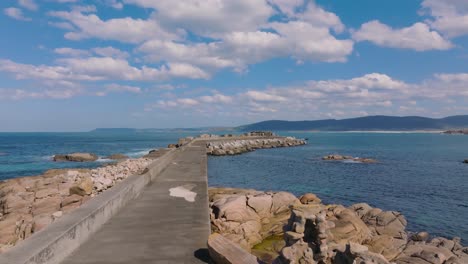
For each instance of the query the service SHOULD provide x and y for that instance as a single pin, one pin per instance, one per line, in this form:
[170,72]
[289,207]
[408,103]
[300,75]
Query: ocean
[418,174]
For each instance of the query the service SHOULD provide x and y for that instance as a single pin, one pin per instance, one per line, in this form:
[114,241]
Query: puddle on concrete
[184,191]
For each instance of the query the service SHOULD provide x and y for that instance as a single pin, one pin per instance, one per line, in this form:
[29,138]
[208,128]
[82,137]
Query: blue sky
[69,65]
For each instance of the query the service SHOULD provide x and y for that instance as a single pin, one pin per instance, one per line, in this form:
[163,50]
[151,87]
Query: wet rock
[76,157]
[117,157]
[348,158]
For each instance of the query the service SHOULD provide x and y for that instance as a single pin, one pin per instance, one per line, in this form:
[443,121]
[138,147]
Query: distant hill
[368,123]
[155,130]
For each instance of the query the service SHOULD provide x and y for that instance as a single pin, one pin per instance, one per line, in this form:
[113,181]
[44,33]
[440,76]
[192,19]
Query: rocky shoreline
[278,227]
[239,146]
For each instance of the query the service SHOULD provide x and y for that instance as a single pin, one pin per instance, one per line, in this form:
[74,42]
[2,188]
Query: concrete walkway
[157,227]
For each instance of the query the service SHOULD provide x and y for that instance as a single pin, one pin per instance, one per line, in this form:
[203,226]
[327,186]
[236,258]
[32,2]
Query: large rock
[76,157]
[84,187]
[246,217]
[348,226]
[386,223]
[465,161]
[223,251]
[309,198]
[117,157]
[387,246]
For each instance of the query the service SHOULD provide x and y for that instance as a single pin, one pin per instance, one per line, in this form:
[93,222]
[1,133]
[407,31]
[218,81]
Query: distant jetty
[457,132]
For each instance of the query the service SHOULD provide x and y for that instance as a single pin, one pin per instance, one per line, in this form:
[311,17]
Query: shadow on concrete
[203,255]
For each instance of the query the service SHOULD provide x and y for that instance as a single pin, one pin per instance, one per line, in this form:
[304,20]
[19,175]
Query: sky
[70,65]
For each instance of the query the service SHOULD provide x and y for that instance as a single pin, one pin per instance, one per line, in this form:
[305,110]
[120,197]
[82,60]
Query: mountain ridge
[367,123]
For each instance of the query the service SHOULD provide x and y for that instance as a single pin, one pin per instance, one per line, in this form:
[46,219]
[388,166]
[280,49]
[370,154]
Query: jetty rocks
[348,158]
[277,227]
[29,204]
[76,157]
[239,146]
[457,132]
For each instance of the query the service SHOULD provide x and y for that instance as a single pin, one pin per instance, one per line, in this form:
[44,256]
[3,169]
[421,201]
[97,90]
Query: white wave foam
[138,153]
[104,160]
[47,157]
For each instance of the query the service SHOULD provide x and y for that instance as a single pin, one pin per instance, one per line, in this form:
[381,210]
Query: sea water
[420,175]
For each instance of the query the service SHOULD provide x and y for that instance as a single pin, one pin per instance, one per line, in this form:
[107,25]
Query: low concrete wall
[57,241]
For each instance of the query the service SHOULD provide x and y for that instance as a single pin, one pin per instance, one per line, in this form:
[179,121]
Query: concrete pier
[157,227]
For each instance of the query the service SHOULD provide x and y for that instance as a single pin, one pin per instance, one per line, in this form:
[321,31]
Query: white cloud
[217,98]
[99,51]
[210,17]
[28,4]
[449,16]
[127,30]
[122,88]
[319,17]
[309,42]
[454,77]
[374,93]
[264,97]
[100,68]
[20,94]
[417,37]
[111,52]
[15,13]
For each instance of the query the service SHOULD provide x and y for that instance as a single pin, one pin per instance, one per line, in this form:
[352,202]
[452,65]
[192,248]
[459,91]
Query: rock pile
[239,146]
[318,233]
[76,157]
[29,204]
[181,142]
[348,158]
[118,157]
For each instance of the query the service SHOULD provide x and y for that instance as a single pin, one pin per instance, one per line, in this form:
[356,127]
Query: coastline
[371,131]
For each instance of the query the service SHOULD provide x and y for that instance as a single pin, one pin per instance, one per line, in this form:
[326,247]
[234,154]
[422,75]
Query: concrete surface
[157,227]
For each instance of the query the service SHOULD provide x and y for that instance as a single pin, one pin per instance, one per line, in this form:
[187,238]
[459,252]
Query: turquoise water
[24,154]
[420,175]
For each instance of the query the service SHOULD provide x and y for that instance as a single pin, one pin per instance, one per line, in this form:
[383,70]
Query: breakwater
[239,146]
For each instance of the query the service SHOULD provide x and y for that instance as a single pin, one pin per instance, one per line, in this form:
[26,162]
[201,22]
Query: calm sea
[420,175]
